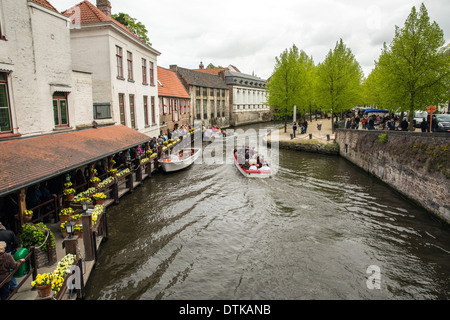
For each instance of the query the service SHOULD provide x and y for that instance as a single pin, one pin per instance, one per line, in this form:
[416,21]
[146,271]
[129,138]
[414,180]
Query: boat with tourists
[250,163]
[216,135]
[179,160]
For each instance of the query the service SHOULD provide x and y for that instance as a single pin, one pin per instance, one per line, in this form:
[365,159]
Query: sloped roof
[214,71]
[45,4]
[201,79]
[169,85]
[25,162]
[88,13]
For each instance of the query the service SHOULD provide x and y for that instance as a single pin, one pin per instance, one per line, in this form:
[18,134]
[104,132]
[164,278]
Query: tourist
[391,124]
[425,126]
[404,125]
[7,264]
[319,126]
[305,125]
[34,196]
[11,245]
[253,167]
[295,128]
[434,125]
[348,124]
[246,165]
[371,124]
[264,167]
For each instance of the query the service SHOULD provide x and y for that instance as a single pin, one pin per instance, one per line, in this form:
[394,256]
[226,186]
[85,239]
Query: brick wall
[415,164]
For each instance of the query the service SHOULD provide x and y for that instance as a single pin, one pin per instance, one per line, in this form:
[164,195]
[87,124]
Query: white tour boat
[223,135]
[179,160]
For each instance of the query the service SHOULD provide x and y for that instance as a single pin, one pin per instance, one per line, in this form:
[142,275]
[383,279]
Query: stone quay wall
[415,164]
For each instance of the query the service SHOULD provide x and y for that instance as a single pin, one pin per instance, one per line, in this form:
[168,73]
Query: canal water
[320,228]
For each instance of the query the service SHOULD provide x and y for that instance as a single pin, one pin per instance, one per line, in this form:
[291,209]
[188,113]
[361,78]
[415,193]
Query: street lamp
[69,228]
[84,206]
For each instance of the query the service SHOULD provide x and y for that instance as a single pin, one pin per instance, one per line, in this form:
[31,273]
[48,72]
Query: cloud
[250,34]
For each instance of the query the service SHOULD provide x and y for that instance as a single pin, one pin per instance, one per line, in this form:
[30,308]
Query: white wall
[38,48]
[94,50]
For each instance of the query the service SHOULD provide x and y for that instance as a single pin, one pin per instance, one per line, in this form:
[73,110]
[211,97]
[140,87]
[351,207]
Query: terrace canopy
[375,111]
[28,161]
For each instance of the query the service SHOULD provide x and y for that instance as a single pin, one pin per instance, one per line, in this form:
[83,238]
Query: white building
[124,68]
[247,97]
[39,91]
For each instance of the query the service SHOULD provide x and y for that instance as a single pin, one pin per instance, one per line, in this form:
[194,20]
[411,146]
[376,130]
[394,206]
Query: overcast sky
[249,34]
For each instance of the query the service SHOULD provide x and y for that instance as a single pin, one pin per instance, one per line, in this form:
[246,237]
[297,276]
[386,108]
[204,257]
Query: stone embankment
[415,164]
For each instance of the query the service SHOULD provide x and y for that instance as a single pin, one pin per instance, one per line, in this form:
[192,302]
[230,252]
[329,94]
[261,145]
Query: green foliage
[413,71]
[133,25]
[289,83]
[32,236]
[211,66]
[339,79]
[383,138]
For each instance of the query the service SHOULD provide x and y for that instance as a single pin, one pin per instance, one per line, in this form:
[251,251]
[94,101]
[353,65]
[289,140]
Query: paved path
[317,135]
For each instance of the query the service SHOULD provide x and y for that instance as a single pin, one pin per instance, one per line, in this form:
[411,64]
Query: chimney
[201,66]
[104,6]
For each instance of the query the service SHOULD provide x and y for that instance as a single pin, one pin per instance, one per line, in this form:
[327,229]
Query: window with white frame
[5,108]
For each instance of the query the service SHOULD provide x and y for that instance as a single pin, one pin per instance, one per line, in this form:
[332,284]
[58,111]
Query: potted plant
[69,193]
[65,214]
[112,172]
[27,216]
[99,197]
[95,181]
[43,284]
[76,218]
[35,235]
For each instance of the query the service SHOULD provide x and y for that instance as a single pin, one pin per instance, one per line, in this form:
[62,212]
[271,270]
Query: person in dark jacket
[424,125]
[371,124]
[404,125]
[7,264]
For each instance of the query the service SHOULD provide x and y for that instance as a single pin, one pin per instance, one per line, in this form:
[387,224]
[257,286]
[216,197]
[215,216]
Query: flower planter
[95,184]
[70,197]
[44,291]
[99,201]
[27,219]
[64,218]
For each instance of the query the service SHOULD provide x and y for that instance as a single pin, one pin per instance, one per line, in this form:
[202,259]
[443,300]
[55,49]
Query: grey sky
[250,34]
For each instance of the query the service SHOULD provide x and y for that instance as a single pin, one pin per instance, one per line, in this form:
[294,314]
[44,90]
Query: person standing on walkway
[305,124]
[295,128]
[404,125]
[424,125]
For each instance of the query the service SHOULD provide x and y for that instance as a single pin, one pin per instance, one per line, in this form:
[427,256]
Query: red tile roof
[28,161]
[214,71]
[45,4]
[91,14]
[170,85]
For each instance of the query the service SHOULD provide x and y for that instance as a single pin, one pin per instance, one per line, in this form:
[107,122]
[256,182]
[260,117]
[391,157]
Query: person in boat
[264,167]
[246,165]
[253,165]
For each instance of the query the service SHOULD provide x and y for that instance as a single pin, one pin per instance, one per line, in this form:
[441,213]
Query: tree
[134,26]
[211,66]
[339,79]
[414,69]
[287,83]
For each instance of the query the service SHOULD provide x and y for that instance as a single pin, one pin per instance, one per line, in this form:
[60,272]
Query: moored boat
[179,160]
[218,135]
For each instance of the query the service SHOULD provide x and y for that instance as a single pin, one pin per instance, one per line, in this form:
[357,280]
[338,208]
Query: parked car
[418,118]
[443,122]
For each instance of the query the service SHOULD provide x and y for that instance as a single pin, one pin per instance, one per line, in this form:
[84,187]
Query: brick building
[174,100]
[209,96]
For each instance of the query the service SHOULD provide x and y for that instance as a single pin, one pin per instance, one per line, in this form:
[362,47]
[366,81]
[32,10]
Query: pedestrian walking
[295,128]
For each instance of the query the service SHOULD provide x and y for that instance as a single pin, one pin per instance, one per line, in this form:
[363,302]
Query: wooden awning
[28,161]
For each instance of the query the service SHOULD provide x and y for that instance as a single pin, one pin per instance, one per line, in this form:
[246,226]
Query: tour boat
[179,160]
[260,173]
[212,136]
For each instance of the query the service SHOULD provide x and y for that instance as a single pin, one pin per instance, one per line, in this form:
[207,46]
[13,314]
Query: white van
[418,118]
